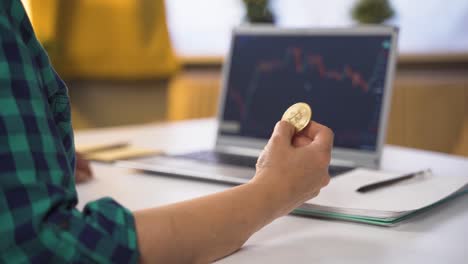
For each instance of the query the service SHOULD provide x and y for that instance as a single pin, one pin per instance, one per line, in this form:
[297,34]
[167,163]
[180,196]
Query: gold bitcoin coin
[298,115]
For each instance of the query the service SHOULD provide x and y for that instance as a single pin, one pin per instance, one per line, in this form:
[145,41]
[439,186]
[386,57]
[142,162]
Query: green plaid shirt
[38,219]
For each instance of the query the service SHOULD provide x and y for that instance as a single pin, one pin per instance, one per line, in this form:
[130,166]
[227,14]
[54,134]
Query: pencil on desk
[385,183]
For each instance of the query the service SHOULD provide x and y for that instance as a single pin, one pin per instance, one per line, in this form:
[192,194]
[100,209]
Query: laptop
[344,74]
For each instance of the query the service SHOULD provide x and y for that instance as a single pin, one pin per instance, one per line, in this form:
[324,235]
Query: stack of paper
[385,206]
[113,151]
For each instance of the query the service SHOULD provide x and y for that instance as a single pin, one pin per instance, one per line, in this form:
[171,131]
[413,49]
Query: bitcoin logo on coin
[298,115]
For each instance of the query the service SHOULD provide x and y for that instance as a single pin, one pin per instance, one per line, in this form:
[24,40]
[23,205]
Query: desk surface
[437,236]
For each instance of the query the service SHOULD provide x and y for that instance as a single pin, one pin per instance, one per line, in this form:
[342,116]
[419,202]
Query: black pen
[385,183]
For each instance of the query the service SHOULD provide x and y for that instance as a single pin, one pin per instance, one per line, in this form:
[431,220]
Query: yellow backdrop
[118,39]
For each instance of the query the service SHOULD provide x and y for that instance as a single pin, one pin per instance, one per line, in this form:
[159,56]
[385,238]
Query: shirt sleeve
[39,222]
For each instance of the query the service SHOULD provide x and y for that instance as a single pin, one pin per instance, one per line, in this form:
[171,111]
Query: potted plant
[258,11]
[372,11]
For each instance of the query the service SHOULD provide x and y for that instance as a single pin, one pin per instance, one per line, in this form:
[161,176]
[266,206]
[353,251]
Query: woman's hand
[295,166]
[83,171]
[292,169]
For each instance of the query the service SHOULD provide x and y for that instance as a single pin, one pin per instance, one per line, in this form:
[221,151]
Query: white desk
[438,236]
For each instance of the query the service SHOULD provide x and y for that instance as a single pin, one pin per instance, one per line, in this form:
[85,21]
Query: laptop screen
[341,77]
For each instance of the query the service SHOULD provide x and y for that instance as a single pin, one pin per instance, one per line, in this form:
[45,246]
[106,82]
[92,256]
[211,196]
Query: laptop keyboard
[212,157]
[221,158]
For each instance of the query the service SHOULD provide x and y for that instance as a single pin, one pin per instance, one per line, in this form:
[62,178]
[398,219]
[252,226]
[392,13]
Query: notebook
[386,206]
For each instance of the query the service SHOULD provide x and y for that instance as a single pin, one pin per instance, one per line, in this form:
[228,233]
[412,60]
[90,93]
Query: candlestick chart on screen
[342,78]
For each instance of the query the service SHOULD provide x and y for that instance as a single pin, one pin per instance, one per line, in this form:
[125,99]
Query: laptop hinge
[251,152]
[340,162]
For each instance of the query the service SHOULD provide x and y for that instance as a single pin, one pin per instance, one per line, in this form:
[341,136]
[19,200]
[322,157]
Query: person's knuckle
[276,139]
[326,180]
[328,131]
[324,158]
[259,165]
[323,165]
[315,194]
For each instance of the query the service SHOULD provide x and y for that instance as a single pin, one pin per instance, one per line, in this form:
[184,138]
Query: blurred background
[137,61]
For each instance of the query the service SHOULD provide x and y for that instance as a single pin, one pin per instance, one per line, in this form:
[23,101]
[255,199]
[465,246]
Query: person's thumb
[283,133]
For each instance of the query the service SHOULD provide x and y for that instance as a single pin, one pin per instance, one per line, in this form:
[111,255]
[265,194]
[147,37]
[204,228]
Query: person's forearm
[208,228]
